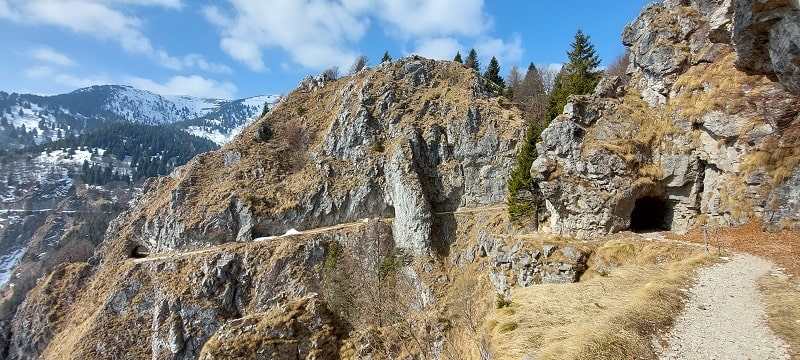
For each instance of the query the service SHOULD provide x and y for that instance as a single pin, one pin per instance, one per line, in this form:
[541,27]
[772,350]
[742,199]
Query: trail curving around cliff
[724,317]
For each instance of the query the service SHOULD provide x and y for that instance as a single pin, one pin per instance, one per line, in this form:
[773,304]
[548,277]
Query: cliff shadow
[443,230]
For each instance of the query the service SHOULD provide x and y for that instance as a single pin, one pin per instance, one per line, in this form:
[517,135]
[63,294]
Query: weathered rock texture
[706,130]
[766,36]
[167,308]
[410,142]
[406,139]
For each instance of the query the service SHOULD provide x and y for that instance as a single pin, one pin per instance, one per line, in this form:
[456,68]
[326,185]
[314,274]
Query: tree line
[152,150]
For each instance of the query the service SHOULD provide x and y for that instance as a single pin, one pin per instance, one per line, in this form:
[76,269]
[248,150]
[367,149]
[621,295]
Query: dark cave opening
[140,251]
[650,213]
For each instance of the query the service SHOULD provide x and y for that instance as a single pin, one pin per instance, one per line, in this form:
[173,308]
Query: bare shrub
[619,67]
[330,74]
[369,284]
[359,64]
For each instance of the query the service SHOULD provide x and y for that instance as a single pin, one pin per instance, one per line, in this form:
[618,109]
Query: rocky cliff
[392,154]
[405,140]
[395,178]
[705,132]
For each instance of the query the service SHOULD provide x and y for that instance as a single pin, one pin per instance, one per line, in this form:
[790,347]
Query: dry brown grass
[610,316]
[781,296]
[776,157]
[630,129]
[717,86]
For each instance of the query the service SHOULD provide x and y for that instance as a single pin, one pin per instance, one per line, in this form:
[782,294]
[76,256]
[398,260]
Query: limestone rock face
[167,308]
[410,142]
[404,140]
[767,39]
[700,132]
[301,329]
[31,333]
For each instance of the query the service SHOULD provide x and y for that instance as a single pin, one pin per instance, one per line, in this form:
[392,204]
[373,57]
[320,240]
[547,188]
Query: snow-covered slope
[229,119]
[32,119]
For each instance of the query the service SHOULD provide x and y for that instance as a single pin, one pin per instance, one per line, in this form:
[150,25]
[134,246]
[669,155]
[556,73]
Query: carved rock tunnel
[140,251]
[651,213]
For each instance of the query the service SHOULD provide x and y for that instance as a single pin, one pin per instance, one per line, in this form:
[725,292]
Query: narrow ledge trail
[724,317]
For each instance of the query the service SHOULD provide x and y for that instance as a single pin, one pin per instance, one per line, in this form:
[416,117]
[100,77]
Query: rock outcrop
[766,36]
[705,132]
[406,140]
[167,308]
[198,267]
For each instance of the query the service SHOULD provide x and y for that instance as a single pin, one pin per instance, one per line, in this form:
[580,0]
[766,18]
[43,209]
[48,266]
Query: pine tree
[579,76]
[265,110]
[524,196]
[493,73]
[472,60]
[386,57]
[458,58]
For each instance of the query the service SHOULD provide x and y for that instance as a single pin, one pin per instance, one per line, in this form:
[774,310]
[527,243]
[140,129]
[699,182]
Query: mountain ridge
[34,119]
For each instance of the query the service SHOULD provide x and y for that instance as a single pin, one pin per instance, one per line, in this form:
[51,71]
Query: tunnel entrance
[651,213]
[140,251]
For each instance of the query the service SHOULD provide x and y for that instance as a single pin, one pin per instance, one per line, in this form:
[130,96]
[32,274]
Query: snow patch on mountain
[7,263]
[213,126]
[58,116]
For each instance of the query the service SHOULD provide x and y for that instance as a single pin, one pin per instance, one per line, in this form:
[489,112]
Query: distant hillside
[143,150]
[27,119]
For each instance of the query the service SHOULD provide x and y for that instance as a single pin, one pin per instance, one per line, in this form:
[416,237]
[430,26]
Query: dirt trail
[724,317]
[174,255]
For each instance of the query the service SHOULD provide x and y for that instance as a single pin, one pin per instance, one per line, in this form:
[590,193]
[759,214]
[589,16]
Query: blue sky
[242,48]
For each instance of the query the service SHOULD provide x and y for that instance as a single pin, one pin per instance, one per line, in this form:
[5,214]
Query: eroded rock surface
[406,140]
[706,129]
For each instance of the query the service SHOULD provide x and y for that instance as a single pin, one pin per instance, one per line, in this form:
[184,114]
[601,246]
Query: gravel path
[724,316]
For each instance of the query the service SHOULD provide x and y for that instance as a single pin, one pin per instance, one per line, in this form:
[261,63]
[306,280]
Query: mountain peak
[84,109]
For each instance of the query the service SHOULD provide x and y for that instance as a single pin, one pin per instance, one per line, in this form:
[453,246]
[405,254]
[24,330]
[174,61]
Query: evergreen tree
[579,76]
[493,73]
[472,60]
[524,196]
[265,110]
[458,58]
[386,57]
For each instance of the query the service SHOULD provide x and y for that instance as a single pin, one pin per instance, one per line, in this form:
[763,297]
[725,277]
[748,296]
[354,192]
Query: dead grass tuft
[610,316]
[782,301]
[717,86]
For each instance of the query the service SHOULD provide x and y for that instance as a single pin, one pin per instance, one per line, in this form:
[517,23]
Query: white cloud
[314,33]
[98,19]
[244,51]
[193,85]
[424,18]
[76,82]
[439,48]
[38,72]
[5,11]
[321,33]
[174,4]
[49,55]
[46,73]
[506,52]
